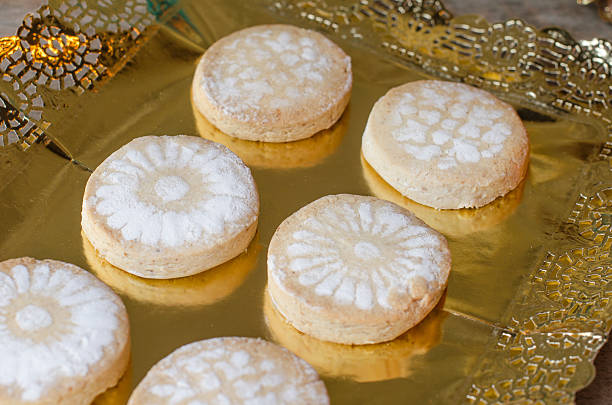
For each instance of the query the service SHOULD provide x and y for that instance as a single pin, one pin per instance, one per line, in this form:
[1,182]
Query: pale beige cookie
[120,393]
[446,145]
[457,222]
[200,289]
[170,206]
[230,370]
[287,155]
[353,269]
[64,335]
[273,83]
[362,363]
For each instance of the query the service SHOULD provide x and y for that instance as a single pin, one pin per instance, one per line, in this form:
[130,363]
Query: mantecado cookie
[446,145]
[231,370]
[200,289]
[64,335]
[284,155]
[170,206]
[361,363]
[453,223]
[353,269]
[273,83]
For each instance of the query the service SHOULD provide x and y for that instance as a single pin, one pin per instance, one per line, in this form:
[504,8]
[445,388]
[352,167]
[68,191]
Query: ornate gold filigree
[16,128]
[558,322]
[67,45]
[557,327]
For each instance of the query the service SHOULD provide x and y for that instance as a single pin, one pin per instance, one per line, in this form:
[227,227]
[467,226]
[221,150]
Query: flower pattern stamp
[446,145]
[358,261]
[273,83]
[167,194]
[63,333]
[230,371]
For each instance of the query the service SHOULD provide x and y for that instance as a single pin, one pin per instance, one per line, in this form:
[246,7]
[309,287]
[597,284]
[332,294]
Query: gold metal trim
[562,316]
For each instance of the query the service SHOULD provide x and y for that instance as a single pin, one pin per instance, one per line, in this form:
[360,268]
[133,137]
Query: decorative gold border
[561,317]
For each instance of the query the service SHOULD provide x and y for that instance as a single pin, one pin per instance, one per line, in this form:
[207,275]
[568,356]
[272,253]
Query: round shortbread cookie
[273,83]
[120,393]
[353,269]
[362,363]
[287,155]
[230,370]
[457,222]
[446,145]
[64,335]
[170,206]
[201,289]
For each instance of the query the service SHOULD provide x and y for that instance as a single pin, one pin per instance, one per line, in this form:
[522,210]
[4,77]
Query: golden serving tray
[528,302]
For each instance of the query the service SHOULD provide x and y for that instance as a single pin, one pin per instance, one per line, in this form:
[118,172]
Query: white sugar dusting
[268,63]
[40,349]
[32,318]
[366,251]
[242,368]
[171,188]
[190,191]
[453,124]
[358,253]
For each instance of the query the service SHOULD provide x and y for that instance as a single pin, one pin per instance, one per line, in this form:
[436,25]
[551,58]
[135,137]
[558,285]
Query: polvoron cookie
[446,145]
[198,290]
[361,363]
[273,83]
[170,206]
[284,155]
[231,370]
[452,223]
[353,269]
[64,335]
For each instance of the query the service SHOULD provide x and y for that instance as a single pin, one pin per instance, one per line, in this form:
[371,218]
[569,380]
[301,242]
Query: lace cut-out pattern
[68,45]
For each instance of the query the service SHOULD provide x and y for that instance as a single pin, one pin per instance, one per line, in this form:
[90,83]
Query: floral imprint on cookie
[298,64]
[173,192]
[357,254]
[232,371]
[453,123]
[55,323]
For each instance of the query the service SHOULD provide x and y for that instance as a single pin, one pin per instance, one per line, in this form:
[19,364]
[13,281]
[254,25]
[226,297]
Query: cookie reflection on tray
[120,393]
[362,363]
[201,289]
[455,222]
[298,154]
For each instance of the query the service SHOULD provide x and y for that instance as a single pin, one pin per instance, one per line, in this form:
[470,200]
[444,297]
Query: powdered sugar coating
[356,251]
[266,71]
[230,371]
[449,123]
[446,145]
[32,318]
[56,322]
[172,191]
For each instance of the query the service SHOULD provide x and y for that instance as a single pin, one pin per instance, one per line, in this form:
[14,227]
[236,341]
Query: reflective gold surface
[119,394]
[449,222]
[304,153]
[204,288]
[361,363]
[527,305]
